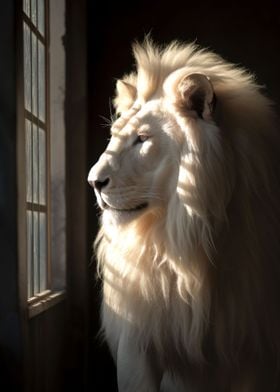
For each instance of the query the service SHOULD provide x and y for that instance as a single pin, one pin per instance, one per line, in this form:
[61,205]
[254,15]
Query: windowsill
[44,301]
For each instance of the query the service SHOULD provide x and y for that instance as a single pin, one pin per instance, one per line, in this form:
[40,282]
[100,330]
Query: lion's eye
[141,138]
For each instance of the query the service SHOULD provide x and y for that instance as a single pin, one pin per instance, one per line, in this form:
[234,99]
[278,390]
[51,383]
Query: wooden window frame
[42,301]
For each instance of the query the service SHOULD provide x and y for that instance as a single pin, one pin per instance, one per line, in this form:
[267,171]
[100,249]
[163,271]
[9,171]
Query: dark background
[242,32]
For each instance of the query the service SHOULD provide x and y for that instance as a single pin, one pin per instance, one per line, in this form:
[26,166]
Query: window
[44,144]
[36,143]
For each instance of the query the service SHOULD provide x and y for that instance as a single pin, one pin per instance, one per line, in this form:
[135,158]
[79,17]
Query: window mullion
[31,255]
[38,158]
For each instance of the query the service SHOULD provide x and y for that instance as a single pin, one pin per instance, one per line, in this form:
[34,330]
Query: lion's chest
[132,293]
[146,304]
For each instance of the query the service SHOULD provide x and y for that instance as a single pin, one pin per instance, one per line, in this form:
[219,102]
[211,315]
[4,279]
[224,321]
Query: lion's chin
[122,216]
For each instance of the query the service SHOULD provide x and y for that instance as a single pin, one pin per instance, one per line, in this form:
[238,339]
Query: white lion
[189,244]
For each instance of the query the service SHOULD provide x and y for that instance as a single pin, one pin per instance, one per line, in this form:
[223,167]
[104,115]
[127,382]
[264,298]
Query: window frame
[32,306]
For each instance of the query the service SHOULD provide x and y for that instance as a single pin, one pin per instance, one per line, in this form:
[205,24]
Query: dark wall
[247,34]
[10,330]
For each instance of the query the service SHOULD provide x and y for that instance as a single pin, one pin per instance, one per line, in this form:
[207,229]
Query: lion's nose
[97,179]
[100,184]
[99,176]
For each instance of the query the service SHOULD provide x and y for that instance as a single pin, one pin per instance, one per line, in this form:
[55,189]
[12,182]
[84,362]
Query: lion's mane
[200,278]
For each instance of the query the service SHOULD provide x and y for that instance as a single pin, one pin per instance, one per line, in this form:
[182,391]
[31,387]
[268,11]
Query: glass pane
[26,7]
[27,67]
[34,75]
[41,16]
[41,61]
[29,254]
[36,252]
[42,166]
[34,12]
[43,251]
[28,150]
[35,163]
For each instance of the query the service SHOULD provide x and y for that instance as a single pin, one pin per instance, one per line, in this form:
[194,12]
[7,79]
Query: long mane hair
[211,254]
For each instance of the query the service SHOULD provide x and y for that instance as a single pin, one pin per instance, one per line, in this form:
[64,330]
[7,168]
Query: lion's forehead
[138,117]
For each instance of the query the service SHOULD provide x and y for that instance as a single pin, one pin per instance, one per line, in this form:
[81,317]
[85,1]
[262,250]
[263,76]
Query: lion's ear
[126,95]
[126,89]
[197,94]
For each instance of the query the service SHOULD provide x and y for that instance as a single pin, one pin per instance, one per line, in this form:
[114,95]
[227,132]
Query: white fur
[191,283]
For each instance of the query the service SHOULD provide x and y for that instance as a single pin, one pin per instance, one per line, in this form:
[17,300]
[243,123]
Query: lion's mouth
[133,209]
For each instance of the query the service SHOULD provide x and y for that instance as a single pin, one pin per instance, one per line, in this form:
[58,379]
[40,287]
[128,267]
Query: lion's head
[181,142]
[188,211]
[130,176]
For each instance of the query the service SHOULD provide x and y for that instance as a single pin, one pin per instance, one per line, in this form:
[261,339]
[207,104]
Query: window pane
[26,7]
[34,12]
[41,54]
[34,75]
[35,164]
[42,166]
[43,252]
[36,252]
[41,16]
[28,146]
[29,254]
[27,67]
